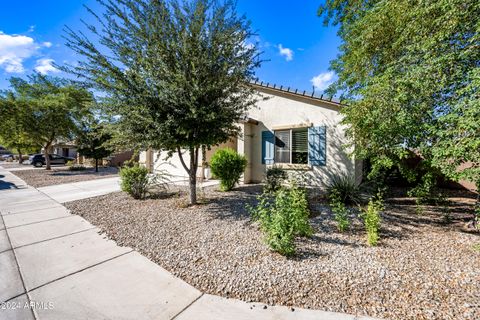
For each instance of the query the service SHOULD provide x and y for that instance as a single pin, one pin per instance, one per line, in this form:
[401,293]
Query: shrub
[283,215]
[345,189]
[228,166]
[274,178]
[134,181]
[77,167]
[372,220]
[340,211]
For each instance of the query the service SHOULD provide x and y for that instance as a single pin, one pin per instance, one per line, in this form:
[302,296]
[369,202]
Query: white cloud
[14,49]
[45,66]
[47,44]
[31,29]
[323,80]
[285,52]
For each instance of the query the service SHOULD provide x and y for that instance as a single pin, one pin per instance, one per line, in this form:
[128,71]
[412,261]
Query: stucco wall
[289,110]
[278,110]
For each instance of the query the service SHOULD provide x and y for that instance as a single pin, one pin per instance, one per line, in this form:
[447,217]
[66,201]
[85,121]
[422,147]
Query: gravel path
[42,178]
[423,269]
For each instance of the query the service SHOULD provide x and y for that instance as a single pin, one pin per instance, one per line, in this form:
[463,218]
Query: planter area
[423,268]
[41,178]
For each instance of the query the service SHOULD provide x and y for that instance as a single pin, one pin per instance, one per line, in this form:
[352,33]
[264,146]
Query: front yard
[41,178]
[423,268]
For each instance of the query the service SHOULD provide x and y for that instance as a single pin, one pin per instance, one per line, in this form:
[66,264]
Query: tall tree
[14,120]
[92,142]
[175,73]
[410,73]
[52,109]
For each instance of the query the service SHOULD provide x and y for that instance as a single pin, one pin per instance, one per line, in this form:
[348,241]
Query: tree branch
[182,161]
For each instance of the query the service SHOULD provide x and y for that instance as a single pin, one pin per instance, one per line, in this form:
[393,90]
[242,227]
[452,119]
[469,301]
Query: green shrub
[340,211]
[283,215]
[77,167]
[345,189]
[228,166]
[134,181]
[372,220]
[274,178]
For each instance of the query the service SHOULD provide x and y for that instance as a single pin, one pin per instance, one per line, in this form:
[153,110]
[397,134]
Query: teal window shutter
[317,146]
[268,147]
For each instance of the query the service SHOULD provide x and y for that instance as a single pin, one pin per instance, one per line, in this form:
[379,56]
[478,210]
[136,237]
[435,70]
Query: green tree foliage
[175,73]
[410,75]
[228,166]
[92,142]
[48,109]
[13,124]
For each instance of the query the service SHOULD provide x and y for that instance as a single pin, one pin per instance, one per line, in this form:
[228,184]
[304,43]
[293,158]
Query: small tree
[92,143]
[175,75]
[51,109]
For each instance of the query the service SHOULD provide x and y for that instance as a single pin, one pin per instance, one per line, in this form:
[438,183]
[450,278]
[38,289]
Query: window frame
[290,130]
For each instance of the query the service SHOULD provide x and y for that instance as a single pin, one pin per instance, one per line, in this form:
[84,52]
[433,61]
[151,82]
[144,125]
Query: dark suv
[38,160]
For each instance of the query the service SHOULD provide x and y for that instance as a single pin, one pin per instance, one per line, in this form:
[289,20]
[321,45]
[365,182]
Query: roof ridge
[296,91]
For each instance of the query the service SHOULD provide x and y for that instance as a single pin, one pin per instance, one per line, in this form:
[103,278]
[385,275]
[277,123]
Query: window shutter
[317,146]
[268,147]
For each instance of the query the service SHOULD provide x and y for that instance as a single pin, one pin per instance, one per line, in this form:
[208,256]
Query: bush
[274,178]
[372,220]
[77,167]
[340,212]
[283,215]
[134,181]
[345,189]
[228,166]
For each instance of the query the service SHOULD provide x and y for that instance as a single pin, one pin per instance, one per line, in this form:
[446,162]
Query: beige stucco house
[301,133]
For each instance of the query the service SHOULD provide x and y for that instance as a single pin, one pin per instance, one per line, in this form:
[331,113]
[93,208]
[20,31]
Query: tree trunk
[96,165]
[47,158]
[192,172]
[193,175]
[20,156]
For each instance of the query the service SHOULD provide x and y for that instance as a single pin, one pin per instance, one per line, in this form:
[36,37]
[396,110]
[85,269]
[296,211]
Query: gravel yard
[41,178]
[422,269]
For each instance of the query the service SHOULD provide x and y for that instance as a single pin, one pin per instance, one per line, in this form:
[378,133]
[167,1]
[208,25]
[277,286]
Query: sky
[296,47]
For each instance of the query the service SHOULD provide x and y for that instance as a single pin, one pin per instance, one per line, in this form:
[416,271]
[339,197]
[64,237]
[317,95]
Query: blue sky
[292,37]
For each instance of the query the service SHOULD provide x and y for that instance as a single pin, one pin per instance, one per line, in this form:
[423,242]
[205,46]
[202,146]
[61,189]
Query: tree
[91,143]
[175,73]
[52,109]
[12,129]
[410,75]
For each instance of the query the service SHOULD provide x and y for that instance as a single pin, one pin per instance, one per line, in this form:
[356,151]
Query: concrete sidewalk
[55,265]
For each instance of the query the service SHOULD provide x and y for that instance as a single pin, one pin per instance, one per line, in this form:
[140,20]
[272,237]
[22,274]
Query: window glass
[300,146]
[282,146]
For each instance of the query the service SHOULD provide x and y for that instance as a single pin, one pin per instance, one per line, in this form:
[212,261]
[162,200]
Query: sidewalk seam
[20,273]
[30,223]
[54,238]
[188,306]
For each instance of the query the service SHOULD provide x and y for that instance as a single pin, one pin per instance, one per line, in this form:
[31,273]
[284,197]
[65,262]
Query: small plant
[274,178]
[476,247]
[372,219]
[134,181]
[283,215]
[77,167]
[345,189]
[228,166]
[340,212]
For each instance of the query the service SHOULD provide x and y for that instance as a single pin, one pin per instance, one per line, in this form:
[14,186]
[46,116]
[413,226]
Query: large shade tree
[409,72]
[175,73]
[49,109]
[92,142]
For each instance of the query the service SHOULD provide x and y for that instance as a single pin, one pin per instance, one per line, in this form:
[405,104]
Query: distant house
[65,149]
[298,132]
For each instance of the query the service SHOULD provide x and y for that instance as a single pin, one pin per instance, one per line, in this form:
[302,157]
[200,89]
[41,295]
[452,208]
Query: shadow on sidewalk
[5,185]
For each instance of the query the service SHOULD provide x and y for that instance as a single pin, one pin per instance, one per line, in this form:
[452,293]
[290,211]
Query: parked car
[38,160]
[7,156]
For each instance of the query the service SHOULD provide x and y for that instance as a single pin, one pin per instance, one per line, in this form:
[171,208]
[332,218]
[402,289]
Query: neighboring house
[65,149]
[298,132]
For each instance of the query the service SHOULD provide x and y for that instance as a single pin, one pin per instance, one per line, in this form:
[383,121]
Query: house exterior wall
[283,110]
[278,110]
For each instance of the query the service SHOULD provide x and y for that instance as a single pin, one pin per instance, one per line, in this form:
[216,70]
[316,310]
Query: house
[65,149]
[298,132]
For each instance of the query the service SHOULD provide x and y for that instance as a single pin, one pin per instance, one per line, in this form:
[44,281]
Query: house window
[291,146]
